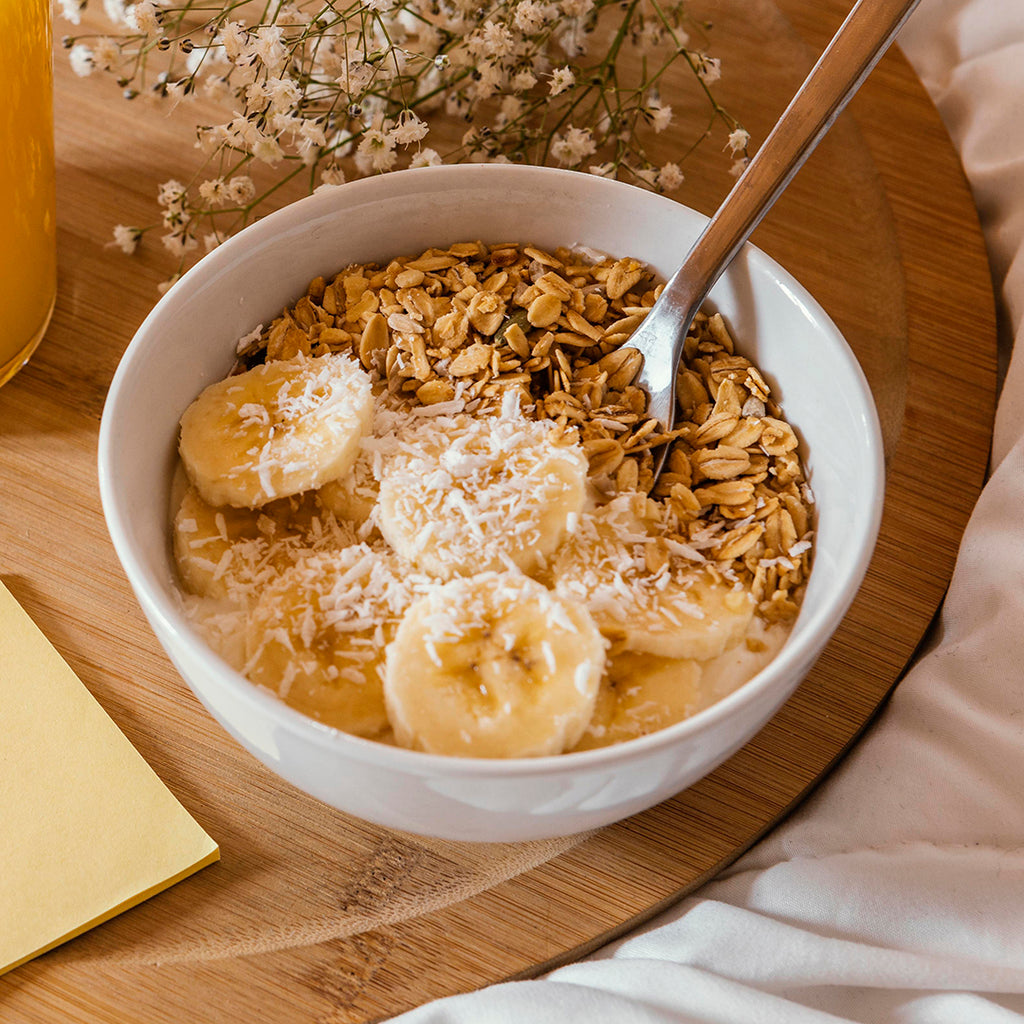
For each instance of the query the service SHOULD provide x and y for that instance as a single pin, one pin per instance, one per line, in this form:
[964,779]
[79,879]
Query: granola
[471,322]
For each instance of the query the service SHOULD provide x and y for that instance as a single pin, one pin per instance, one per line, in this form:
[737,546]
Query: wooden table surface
[313,916]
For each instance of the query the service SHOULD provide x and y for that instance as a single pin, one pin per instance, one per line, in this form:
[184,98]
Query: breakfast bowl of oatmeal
[381,477]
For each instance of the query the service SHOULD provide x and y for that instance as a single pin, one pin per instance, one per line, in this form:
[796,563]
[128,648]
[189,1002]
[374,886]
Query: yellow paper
[86,827]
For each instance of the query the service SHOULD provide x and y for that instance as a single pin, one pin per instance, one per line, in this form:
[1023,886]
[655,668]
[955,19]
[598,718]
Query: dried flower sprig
[331,89]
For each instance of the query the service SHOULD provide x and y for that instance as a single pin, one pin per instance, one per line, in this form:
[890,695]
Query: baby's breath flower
[709,69]
[738,167]
[651,35]
[268,47]
[176,217]
[240,189]
[574,147]
[126,238]
[177,243]
[211,138]
[425,158]
[457,105]
[234,37]
[647,175]
[660,115]
[310,139]
[81,60]
[496,40]
[286,122]
[178,91]
[71,10]
[489,79]
[171,192]
[409,129]
[356,77]
[512,108]
[144,17]
[115,11]
[332,174]
[310,131]
[105,53]
[376,151]
[523,81]
[283,93]
[327,91]
[738,140]
[530,16]
[561,79]
[669,178]
[213,191]
[256,94]
[267,150]
[573,38]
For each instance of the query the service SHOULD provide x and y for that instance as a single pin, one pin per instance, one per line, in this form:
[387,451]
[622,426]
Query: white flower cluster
[338,88]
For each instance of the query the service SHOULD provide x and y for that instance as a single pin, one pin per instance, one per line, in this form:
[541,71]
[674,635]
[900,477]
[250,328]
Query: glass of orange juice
[28,257]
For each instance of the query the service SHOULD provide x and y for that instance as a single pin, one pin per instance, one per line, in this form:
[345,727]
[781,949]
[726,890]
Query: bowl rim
[166,615]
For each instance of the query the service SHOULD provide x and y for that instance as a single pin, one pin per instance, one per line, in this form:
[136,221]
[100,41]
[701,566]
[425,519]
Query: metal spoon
[854,51]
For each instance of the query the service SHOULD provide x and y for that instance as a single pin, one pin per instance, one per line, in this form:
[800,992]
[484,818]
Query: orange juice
[28,263]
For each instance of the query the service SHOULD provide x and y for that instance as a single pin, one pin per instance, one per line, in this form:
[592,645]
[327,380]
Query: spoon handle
[855,49]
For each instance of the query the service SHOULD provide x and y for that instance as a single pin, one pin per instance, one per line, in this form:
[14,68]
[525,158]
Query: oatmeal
[424,507]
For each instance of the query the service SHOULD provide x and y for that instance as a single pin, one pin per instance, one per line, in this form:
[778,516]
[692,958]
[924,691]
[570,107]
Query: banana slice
[278,429]
[684,608]
[493,665]
[464,495]
[317,635]
[230,552]
[640,694]
[353,497]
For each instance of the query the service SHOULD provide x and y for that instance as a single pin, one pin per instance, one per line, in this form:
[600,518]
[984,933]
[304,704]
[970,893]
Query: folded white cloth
[896,894]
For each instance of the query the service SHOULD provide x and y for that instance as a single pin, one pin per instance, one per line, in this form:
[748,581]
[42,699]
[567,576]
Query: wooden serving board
[312,916]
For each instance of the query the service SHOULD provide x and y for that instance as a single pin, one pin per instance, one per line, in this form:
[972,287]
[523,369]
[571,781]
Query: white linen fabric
[895,895]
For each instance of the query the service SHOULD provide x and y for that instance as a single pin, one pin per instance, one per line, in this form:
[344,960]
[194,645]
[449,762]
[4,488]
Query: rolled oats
[470,361]
[486,311]
[723,462]
[473,321]
[738,541]
[374,341]
[545,310]
[604,454]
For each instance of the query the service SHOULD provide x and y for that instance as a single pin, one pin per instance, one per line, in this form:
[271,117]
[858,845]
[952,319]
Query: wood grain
[312,916]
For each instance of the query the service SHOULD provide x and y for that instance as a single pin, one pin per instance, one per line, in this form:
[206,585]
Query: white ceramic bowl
[188,340]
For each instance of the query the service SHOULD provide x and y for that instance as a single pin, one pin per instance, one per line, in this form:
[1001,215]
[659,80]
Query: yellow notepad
[86,827]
